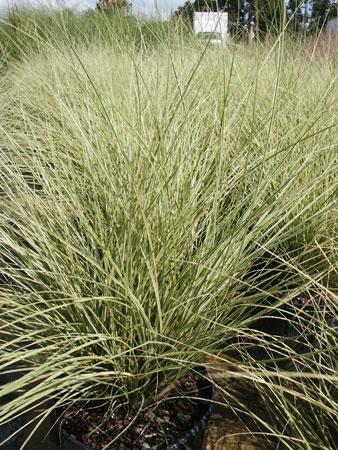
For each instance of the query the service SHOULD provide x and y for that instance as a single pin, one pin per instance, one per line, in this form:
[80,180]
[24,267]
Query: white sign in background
[211,22]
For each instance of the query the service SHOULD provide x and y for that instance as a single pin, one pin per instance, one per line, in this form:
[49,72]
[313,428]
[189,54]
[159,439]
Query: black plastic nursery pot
[294,323]
[9,432]
[191,438]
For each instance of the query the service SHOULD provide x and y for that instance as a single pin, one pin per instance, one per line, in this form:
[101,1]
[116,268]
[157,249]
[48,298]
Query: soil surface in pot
[153,429]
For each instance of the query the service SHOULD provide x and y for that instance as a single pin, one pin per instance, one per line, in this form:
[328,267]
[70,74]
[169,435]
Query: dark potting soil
[153,429]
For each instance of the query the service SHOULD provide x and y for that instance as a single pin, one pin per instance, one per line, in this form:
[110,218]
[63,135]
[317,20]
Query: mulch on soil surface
[153,429]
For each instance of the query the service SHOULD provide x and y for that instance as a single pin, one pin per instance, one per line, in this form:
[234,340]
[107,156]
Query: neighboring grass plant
[24,32]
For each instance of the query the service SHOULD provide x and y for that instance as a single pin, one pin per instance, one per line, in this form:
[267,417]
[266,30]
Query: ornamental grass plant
[154,204]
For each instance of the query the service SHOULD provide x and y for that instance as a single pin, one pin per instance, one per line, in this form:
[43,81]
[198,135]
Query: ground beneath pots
[154,429]
[226,429]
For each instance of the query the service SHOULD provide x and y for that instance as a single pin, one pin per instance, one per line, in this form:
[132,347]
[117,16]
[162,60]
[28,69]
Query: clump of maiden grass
[140,193]
[299,403]
[26,31]
[295,392]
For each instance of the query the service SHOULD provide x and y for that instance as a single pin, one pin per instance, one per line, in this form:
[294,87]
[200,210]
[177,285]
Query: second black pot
[297,326]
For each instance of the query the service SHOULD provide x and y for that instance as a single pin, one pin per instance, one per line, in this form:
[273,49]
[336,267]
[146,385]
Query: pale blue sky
[146,7]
